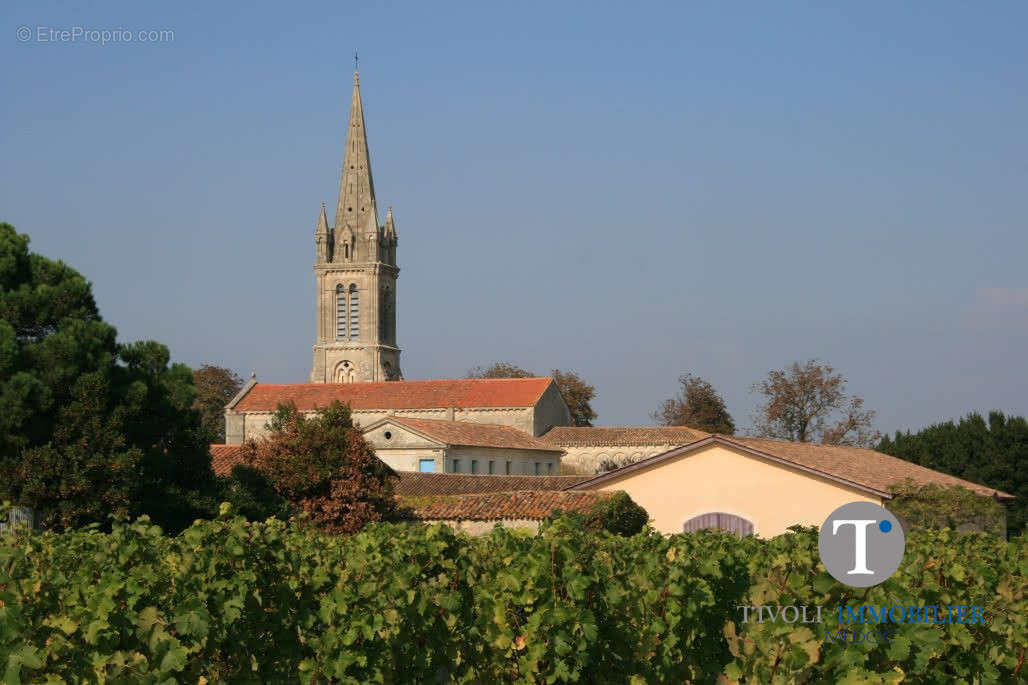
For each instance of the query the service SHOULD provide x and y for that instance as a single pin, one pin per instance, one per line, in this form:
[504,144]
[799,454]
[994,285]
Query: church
[463,425]
[514,436]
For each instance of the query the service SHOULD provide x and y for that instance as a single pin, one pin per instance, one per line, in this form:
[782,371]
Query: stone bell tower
[355,269]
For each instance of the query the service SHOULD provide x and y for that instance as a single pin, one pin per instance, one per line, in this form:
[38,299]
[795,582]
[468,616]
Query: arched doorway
[719,520]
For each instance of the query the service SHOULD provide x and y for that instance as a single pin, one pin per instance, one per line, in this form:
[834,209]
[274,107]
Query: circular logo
[861,544]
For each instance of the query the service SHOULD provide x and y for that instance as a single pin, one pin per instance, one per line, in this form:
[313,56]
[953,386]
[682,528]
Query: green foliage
[809,403]
[992,451]
[252,495]
[698,405]
[618,514]
[324,467]
[233,601]
[90,427]
[215,387]
[935,507]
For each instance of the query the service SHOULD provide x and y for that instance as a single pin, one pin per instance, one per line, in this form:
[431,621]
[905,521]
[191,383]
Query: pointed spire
[390,227]
[322,234]
[356,209]
[322,227]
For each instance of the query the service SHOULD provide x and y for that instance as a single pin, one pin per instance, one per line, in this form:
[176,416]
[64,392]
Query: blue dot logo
[885,526]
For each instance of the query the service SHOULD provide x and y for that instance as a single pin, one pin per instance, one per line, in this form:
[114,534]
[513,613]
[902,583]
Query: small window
[474,466]
[549,467]
[492,467]
[538,468]
[387,435]
[508,468]
[426,465]
[456,465]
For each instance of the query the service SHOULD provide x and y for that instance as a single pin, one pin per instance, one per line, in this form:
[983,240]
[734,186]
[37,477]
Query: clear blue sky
[631,191]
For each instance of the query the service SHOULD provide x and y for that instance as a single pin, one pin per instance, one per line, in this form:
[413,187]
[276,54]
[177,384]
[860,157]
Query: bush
[323,466]
[618,514]
[252,495]
[233,601]
[934,507]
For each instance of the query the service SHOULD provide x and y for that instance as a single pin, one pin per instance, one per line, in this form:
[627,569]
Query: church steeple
[356,209]
[356,272]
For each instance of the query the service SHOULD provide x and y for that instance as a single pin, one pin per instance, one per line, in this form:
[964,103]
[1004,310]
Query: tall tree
[989,450]
[324,467]
[809,403]
[89,427]
[698,405]
[577,394]
[499,370]
[215,386]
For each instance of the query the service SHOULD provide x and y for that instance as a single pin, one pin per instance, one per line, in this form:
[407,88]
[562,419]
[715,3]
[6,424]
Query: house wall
[719,479]
[522,461]
[409,460]
[550,411]
[404,449]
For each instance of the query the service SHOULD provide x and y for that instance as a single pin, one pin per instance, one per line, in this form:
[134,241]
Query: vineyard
[231,601]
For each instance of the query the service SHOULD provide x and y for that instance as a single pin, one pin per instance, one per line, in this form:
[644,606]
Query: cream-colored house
[759,485]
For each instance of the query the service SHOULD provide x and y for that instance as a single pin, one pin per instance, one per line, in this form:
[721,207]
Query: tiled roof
[864,468]
[461,393]
[224,457]
[527,504]
[869,468]
[467,433]
[568,436]
[413,483]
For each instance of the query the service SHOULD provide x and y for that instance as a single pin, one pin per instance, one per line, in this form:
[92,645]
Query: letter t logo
[860,546]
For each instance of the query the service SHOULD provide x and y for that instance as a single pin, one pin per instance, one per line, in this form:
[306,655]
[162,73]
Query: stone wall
[485,527]
[587,459]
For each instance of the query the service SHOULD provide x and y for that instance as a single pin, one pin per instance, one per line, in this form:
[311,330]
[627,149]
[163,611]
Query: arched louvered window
[355,313]
[719,521]
[386,320]
[340,312]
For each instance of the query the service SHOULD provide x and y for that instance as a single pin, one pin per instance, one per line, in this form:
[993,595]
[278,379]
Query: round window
[388,435]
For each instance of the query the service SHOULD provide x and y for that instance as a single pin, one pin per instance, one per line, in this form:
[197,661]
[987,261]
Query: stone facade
[587,447]
[355,272]
[587,459]
[485,527]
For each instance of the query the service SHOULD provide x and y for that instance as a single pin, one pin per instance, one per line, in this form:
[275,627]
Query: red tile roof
[460,393]
[867,467]
[863,468]
[573,436]
[470,434]
[531,505]
[413,483]
[224,457]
